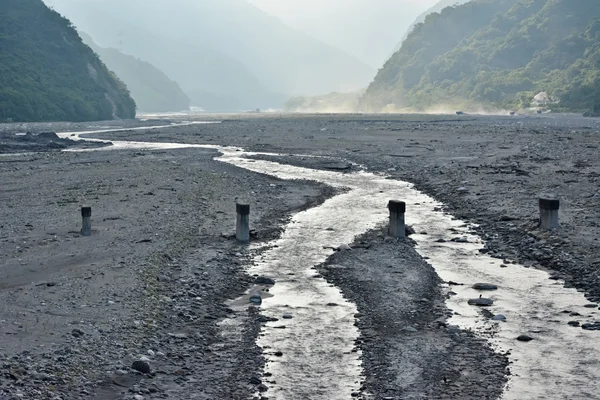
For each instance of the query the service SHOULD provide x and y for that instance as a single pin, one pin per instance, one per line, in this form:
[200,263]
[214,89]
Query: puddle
[317,359]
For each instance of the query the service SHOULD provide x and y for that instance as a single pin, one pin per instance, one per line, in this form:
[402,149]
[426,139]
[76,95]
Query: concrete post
[86,225]
[549,213]
[242,231]
[397,227]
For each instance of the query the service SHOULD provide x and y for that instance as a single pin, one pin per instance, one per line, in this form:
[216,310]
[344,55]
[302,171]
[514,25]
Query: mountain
[213,80]
[151,89]
[48,74]
[282,59]
[438,7]
[496,52]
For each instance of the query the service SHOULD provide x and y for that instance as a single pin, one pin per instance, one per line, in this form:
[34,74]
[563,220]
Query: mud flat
[149,284]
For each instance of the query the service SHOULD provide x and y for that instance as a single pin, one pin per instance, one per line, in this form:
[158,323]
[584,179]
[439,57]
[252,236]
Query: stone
[485,286]
[524,338]
[287,316]
[255,381]
[138,397]
[178,335]
[481,302]
[573,323]
[591,326]
[278,354]
[498,317]
[256,299]
[77,332]
[263,280]
[262,388]
[141,366]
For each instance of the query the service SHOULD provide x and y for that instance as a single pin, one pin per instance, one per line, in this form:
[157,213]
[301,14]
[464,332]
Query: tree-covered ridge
[152,90]
[48,74]
[500,52]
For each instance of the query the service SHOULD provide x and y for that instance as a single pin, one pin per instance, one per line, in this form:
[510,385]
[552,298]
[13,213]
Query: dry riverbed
[152,280]
[150,283]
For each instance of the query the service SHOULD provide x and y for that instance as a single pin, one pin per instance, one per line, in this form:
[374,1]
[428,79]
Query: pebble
[263,280]
[485,286]
[256,299]
[524,338]
[141,366]
[481,302]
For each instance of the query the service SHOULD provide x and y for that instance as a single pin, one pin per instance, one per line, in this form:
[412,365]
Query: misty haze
[299,199]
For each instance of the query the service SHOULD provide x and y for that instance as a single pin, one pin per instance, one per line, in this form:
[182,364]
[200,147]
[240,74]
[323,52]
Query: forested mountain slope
[496,52]
[48,74]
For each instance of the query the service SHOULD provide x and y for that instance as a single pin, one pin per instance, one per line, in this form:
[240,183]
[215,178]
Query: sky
[367,29]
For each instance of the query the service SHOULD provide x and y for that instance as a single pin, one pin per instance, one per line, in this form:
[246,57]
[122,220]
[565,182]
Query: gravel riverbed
[152,281]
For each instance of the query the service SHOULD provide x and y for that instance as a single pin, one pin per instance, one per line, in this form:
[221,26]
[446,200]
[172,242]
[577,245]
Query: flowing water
[317,358]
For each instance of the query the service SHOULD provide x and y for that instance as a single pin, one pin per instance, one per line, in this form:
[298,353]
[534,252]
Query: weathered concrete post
[86,225]
[397,227]
[242,231]
[549,213]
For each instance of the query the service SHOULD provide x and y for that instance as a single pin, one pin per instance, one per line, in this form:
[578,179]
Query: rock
[498,317]
[262,388]
[263,318]
[524,338]
[141,366]
[262,280]
[138,397]
[344,247]
[278,354]
[591,326]
[410,329]
[77,332]
[255,381]
[409,230]
[591,305]
[573,323]
[287,316]
[481,302]
[462,189]
[256,298]
[178,335]
[485,286]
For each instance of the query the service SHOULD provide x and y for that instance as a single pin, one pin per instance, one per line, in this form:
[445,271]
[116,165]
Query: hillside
[280,59]
[48,74]
[151,89]
[496,53]
[437,7]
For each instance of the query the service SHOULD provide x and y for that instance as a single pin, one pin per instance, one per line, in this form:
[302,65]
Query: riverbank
[151,282]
